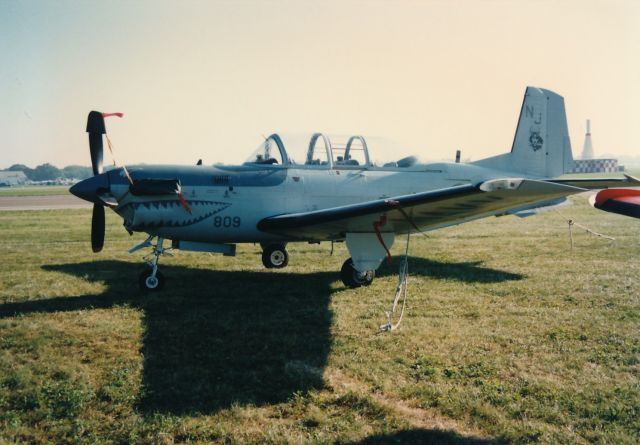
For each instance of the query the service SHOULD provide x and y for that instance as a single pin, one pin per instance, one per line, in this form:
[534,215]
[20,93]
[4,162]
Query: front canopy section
[270,152]
[321,151]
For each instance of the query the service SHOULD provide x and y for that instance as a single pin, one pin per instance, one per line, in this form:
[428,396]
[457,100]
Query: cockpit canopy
[321,151]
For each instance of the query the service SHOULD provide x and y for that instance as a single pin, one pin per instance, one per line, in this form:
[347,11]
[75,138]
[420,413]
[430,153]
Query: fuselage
[223,204]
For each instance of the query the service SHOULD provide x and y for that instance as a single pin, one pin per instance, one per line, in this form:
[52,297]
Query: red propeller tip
[112,114]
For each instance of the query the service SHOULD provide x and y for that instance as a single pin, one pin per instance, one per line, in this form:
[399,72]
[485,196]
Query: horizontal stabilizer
[600,183]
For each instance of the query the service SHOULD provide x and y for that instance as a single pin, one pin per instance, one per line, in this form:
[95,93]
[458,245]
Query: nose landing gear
[152,280]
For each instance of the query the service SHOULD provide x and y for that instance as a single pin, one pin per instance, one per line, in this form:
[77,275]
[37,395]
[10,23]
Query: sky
[206,79]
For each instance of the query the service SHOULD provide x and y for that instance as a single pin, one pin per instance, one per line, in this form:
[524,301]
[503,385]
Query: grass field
[509,337]
[45,190]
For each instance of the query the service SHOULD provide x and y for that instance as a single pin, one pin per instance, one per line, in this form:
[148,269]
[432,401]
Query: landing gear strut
[152,280]
[275,256]
[352,278]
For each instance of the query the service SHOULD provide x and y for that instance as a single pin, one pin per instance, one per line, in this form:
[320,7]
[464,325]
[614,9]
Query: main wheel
[275,256]
[149,283]
[352,278]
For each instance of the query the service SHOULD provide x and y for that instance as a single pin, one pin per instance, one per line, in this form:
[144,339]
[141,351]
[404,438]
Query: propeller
[96,128]
[97,188]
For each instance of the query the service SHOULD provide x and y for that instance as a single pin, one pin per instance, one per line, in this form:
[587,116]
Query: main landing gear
[352,278]
[152,280]
[274,256]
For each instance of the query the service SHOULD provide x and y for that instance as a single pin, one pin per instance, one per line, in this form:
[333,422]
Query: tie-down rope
[113,157]
[403,273]
[572,223]
[401,291]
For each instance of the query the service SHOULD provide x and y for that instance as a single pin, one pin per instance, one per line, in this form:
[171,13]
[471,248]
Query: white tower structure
[587,149]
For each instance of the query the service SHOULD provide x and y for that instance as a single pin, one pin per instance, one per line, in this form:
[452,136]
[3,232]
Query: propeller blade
[96,128]
[97,228]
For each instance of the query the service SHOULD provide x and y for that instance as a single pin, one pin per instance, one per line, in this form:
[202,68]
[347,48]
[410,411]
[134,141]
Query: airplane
[325,191]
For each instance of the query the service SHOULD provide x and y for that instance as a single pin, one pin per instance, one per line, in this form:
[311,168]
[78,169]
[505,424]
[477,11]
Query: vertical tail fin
[541,146]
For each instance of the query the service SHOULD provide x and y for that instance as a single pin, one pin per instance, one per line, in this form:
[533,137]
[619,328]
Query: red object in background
[621,201]
[627,195]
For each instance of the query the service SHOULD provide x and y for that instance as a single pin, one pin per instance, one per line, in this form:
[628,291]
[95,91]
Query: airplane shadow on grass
[217,338]
[425,436]
[469,272]
[214,338]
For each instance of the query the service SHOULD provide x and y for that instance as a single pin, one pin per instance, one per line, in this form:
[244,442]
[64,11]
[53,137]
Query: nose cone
[89,189]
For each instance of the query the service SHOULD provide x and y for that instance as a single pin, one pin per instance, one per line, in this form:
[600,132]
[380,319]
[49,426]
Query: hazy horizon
[635,161]
[208,79]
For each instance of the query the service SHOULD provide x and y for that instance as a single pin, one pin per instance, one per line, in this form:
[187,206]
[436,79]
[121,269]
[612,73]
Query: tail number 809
[226,221]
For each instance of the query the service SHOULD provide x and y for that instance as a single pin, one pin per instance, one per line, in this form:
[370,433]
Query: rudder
[541,146]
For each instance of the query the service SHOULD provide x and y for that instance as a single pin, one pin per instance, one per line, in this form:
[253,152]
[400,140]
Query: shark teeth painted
[141,216]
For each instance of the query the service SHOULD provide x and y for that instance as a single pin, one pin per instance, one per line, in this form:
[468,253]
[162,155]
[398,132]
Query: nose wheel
[352,278]
[275,256]
[150,282]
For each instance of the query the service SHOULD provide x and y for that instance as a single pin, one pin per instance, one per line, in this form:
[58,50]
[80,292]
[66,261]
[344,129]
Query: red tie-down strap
[383,220]
[184,203]
[376,226]
[396,206]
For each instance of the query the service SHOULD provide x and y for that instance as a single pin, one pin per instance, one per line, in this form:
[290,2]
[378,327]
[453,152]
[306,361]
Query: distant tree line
[48,172]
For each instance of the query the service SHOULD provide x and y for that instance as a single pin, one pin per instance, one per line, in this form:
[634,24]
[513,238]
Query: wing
[426,210]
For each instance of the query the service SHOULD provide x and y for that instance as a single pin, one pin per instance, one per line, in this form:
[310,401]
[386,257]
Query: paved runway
[42,202]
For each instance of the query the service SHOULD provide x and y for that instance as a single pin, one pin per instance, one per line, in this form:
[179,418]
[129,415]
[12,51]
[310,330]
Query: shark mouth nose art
[168,213]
